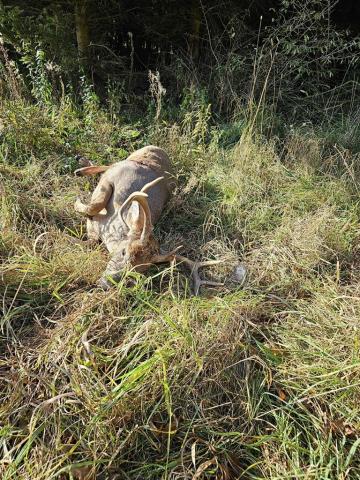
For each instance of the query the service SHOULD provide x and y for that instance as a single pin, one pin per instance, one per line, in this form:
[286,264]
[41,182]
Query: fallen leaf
[193,453]
[204,466]
[282,395]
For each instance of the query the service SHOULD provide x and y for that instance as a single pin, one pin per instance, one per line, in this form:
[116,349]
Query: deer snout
[108,279]
[113,273]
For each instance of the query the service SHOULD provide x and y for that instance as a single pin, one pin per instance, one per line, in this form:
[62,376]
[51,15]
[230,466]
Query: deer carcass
[126,203]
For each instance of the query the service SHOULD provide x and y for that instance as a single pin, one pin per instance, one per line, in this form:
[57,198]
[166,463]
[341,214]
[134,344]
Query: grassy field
[146,381]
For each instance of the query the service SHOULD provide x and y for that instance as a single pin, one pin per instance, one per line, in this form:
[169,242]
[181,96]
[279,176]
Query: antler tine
[141,197]
[194,267]
[146,187]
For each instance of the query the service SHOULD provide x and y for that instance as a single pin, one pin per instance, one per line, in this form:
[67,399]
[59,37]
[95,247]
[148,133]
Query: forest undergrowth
[146,381]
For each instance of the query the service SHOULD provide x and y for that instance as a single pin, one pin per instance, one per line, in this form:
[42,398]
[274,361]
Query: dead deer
[126,203]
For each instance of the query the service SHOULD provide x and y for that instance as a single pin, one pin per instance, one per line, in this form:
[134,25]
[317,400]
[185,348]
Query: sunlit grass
[146,381]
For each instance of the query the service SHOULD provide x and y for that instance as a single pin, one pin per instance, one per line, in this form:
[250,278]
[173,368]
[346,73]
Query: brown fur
[118,182]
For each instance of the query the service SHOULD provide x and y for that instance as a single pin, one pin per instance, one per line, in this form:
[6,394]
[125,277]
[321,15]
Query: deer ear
[135,219]
[91,170]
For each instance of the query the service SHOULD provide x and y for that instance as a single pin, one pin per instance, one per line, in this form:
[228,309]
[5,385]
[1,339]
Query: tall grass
[145,381]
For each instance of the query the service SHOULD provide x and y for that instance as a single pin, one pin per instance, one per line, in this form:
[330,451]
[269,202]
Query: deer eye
[123,252]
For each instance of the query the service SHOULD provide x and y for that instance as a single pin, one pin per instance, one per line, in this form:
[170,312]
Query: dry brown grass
[145,381]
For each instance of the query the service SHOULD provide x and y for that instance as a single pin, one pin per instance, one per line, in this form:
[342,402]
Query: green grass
[146,381]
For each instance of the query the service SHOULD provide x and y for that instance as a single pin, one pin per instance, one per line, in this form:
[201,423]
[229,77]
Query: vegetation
[145,381]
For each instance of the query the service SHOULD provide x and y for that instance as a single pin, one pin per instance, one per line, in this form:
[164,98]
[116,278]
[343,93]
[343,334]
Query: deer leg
[99,200]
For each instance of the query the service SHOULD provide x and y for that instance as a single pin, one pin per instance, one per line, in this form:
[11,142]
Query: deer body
[121,227]
[127,201]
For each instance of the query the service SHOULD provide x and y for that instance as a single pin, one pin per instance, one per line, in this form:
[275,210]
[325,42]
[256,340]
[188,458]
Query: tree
[82,31]
[194,41]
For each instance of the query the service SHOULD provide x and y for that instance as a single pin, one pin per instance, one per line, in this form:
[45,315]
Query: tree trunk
[82,31]
[194,41]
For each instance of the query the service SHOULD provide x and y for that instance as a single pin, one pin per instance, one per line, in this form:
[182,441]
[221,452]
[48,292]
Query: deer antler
[194,267]
[149,185]
[142,198]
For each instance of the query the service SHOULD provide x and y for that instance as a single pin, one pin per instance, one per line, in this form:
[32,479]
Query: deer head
[139,246]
